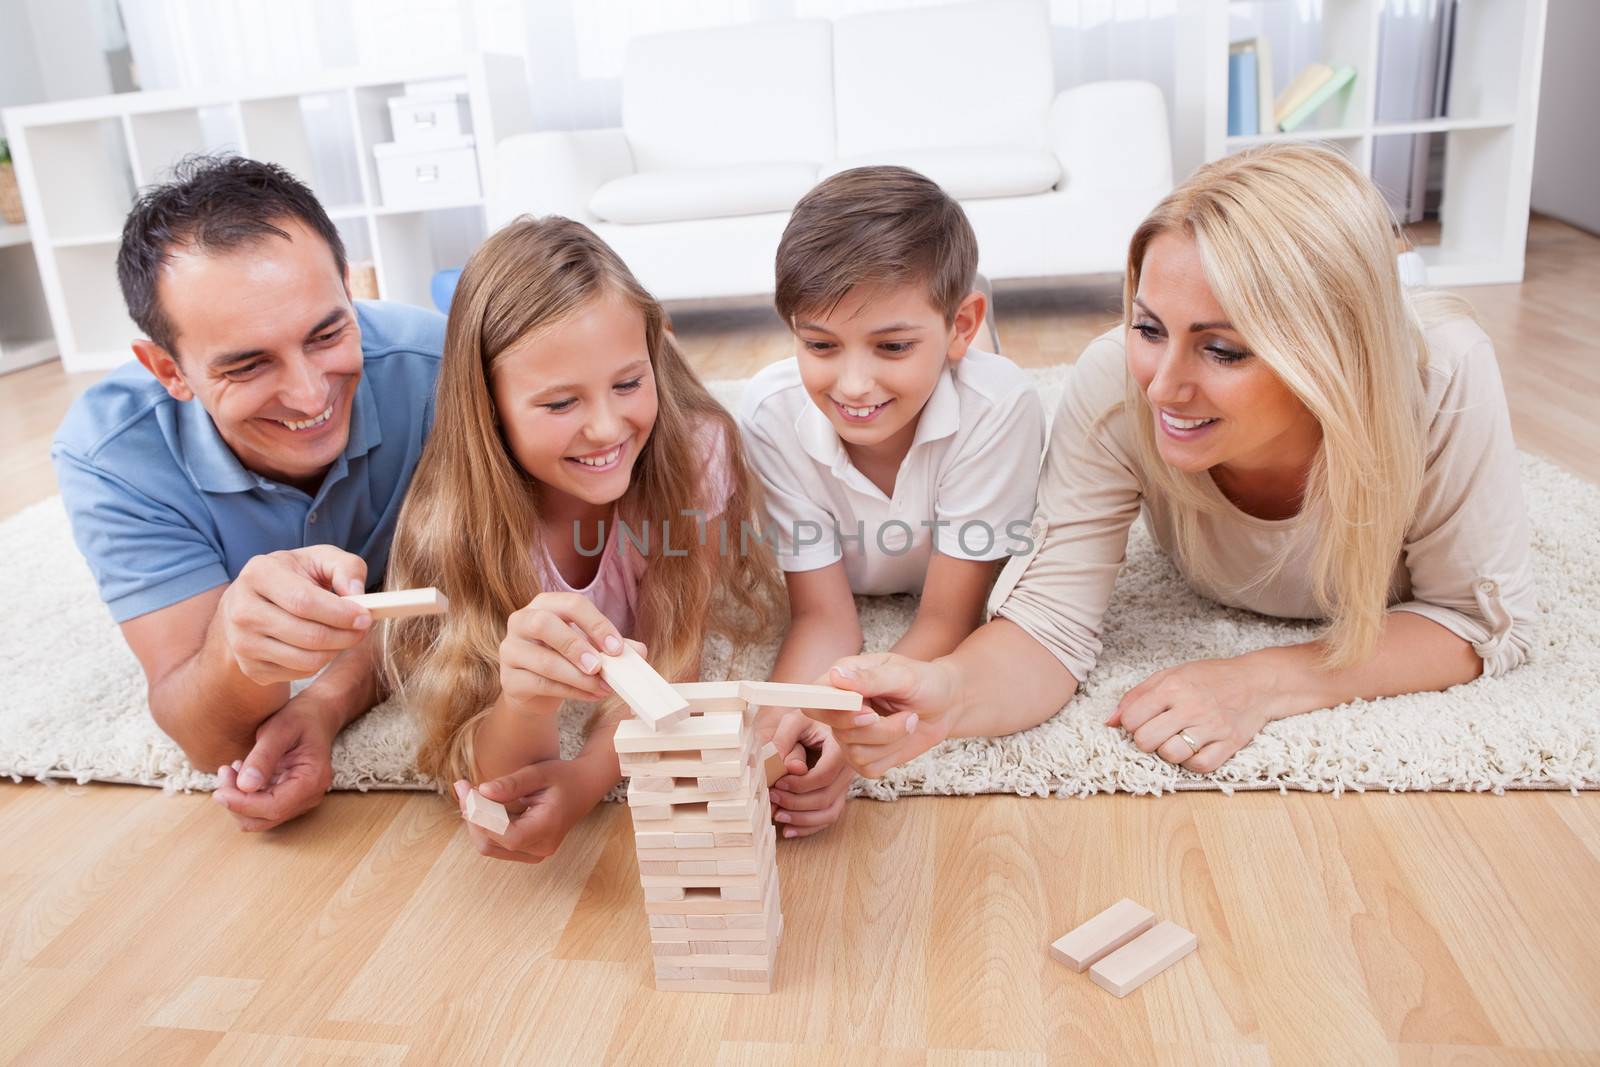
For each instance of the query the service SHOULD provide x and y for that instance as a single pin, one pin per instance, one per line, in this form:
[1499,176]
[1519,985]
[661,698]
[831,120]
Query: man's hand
[552,796]
[284,616]
[286,774]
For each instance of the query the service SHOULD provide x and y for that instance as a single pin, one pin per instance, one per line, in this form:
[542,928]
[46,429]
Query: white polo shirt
[965,488]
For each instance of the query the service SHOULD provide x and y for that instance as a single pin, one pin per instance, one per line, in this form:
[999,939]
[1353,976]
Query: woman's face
[1213,401]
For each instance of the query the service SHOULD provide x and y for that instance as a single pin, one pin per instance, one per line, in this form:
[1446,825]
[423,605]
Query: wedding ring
[1188,739]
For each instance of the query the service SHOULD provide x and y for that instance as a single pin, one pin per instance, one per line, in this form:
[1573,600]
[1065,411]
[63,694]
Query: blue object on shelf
[1243,101]
[443,287]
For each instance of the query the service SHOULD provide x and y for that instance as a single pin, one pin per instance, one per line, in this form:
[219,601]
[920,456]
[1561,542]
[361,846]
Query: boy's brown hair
[875,226]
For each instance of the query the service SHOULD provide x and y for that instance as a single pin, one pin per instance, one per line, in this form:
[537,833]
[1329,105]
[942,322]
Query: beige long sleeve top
[1464,564]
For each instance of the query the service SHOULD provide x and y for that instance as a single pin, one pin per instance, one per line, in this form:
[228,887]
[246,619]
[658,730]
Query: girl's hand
[909,709]
[551,652]
[550,796]
[1221,704]
[812,795]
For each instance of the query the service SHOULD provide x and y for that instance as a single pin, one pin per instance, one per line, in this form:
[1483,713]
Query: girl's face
[1214,403]
[578,402]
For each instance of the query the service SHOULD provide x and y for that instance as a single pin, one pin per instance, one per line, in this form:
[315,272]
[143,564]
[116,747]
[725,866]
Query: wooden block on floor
[698,732]
[402,603]
[711,696]
[652,699]
[489,814]
[772,763]
[1141,959]
[789,695]
[1102,935]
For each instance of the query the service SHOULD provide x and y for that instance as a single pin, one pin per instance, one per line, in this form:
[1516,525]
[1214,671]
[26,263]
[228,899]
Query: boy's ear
[969,319]
[164,365]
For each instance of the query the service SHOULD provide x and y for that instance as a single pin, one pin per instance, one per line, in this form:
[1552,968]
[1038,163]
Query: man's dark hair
[214,203]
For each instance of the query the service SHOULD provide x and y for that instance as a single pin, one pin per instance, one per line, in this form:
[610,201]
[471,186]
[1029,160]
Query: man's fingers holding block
[402,603]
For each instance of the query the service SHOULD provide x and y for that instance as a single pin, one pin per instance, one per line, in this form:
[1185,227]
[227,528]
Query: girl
[558,503]
[1303,438]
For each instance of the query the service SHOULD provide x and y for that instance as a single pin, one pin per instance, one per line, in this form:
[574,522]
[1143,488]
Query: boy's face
[872,361]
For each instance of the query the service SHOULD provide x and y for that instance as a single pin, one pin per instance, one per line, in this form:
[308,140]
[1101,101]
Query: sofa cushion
[703,192]
[957,74]
[760,93]
[976,173]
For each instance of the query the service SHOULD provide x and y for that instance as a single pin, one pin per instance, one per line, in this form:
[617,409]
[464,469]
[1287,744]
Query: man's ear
[969,319]
[164,365]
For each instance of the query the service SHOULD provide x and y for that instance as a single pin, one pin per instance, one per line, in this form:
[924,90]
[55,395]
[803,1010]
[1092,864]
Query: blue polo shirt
[163,510]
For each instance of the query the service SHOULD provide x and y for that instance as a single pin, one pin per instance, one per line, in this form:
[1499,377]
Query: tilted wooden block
[717,730]
[402,603]
[790,695]
[656,703]
[489,814]
[1103,934]
[1141,959]
[772,762]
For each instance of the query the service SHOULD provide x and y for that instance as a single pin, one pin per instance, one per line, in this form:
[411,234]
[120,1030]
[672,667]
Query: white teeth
[604,461]
[860,413]
[1183,424]
[306,424]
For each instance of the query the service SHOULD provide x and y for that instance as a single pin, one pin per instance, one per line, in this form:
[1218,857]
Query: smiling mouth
[860,414]
[600,461]
[302,425]
[1181,425]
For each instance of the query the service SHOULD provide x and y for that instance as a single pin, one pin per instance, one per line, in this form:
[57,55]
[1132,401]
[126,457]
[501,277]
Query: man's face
[267,341]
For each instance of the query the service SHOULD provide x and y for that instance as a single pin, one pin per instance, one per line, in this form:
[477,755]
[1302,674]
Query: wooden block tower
[706,844]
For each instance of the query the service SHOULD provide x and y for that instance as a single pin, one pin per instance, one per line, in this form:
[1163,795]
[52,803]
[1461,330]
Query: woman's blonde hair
[1300,251]
[471,522]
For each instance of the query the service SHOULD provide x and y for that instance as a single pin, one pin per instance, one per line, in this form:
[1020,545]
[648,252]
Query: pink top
[615,588]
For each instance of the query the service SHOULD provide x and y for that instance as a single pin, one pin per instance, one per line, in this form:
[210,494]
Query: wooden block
[663,893]
[711,696]
[732,840]
[648,813]
[691,791]
[695,866]
[659,867]
[740,892]
[693,840]
[698,732]
[652,785]
[669,948]
[667,922]
[489,814]
[708,948]
[772,762]
[1103,934]
[719,762]
[697,818]
[654,839]
[732,852]
[1141,959]
[402,603]
[710,901]
[789,695]
[743,866]
[710,787]
[657,704]
[707,922]
[727,809]
[748,884]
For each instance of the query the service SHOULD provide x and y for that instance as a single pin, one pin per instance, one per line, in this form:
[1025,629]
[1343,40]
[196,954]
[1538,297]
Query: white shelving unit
[79,164]
[1489,132]
[25,337]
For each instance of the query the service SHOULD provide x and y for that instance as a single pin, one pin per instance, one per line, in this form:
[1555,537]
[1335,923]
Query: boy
[895,457]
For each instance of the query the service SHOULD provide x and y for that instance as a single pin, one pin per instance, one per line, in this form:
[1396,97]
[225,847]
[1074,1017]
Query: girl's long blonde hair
[1300,251]
[471,522]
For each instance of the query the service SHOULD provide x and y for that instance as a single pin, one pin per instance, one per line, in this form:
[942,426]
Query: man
[229,488]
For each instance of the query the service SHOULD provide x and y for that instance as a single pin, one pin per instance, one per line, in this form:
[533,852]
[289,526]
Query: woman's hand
[812,795]
[551,652]
[909,708]
[1198,714]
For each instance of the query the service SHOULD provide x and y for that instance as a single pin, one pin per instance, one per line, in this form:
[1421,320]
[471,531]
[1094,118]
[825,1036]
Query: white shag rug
[72,701]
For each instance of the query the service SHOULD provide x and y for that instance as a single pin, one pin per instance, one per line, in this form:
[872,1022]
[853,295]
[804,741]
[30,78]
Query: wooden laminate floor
[1414,929]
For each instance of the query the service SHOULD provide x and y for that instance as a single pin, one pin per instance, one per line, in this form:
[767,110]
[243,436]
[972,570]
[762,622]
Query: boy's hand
[551,651]
[286,773]
[908,709]
[811,797]
[550,796]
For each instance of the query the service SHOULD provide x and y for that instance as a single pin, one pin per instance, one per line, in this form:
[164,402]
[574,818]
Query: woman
[1304,439]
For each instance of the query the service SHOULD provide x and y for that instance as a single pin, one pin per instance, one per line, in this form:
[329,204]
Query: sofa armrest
[555,173]
[1112,135]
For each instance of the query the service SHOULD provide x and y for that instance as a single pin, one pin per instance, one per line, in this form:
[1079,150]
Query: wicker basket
[10,195]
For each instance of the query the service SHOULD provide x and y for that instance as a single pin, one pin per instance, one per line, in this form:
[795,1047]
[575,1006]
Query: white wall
[1566,159]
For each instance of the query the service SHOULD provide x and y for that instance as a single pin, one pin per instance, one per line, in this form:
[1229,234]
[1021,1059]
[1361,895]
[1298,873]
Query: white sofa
[723,130]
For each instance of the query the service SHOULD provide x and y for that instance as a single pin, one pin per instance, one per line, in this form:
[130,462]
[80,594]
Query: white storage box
[427,175]
[431,119]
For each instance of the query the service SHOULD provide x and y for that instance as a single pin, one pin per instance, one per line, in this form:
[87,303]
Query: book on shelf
[1324,92]
[1304,84]
[1265,118]
[1243,112]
